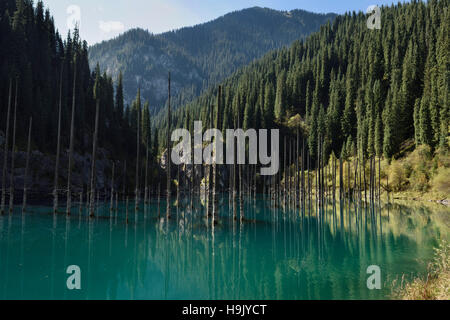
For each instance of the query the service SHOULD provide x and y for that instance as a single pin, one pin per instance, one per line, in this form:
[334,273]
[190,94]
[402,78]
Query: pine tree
[280,98]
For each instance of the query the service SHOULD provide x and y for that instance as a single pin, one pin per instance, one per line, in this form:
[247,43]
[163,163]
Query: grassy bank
[435,285]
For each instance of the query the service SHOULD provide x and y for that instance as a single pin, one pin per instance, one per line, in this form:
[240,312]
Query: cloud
[111,26]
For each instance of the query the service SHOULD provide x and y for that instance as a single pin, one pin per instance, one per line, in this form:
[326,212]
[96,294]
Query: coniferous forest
[364,122]
[346,91]
[357,89]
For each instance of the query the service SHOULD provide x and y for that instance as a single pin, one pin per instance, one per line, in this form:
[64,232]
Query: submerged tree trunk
[210,182]
[72,128]
[111,207]
[58,148]
[234,180]
[169,153]
[27,166]
[5,155]
[146,174]
[13,150]
[215,173]
[138,146]
[94,151]
[124,180]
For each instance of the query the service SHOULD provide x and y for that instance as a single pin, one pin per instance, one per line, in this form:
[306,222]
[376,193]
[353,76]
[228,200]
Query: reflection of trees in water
[273,257]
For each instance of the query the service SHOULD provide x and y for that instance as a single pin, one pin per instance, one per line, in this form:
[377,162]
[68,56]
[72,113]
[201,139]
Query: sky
[105,19]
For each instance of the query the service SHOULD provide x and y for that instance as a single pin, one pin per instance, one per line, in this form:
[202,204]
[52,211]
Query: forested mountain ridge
[359,91]
[43,66]
[199,56]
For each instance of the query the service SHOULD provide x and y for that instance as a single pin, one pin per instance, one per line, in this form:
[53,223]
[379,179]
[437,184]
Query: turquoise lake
[275,255]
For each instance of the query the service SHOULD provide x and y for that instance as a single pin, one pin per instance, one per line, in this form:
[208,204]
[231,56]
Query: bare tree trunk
[241,200]
[146,174]
[215,173]
[285,175]
[341,179]
[124,180]
[379,180]
[80,210]
[111,207]
[364,176]
[192,189]
[72,128]
[58,148]
[138,146]
[178,187]
[234,181]
[159,199]
[13,151]
[27,166]
[297,168]
[94,152]
[126,219]
[210,182]
[303,175]
[168,157]
[309,179]
[5,155]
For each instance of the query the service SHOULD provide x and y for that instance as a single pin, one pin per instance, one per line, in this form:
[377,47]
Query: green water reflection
[290,255]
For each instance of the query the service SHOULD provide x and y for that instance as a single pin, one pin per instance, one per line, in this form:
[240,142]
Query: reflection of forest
[280,256]
[283,259]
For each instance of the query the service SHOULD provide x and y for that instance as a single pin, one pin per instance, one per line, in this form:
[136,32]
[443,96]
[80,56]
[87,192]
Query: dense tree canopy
[351,85]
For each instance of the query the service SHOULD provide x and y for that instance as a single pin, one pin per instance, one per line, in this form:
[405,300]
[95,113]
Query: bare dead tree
[215,173]
[13,154]
[168,156]
[5,155]
[138,146]
[93,161]
[27,166]
[72,129]
[58,148]
[111,207]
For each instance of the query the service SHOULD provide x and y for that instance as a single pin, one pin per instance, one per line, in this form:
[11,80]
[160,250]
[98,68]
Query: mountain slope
[199,56]
[353,90]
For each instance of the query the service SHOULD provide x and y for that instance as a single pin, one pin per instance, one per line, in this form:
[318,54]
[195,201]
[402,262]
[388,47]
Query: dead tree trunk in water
[341,178]
[297,168]
[178,187]
[5,155]
[210,182]
[124,180]
[215,173]
[192,178]
[365,182]
[168,157]
[58,148]
[111,207]
[146,174]
[27,166]
[379,181]
[241,186]
[138,146]
[72,128]
[94,151]
[303,176]
[159,199]
[234,180]
[285,175]
[11,185]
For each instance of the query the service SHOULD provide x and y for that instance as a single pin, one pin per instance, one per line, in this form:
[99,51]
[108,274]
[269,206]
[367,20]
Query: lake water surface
[276,255]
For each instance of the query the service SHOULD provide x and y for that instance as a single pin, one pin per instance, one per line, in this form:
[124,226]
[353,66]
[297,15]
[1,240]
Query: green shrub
[397,176]
[441,181]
